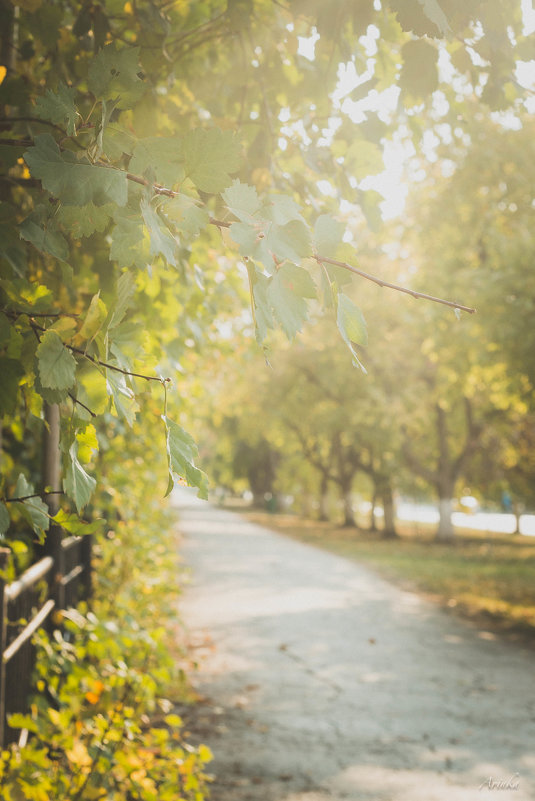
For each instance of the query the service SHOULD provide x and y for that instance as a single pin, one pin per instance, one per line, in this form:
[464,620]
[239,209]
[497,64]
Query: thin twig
[35,495]
[101,363]
[387,285]
[79,402]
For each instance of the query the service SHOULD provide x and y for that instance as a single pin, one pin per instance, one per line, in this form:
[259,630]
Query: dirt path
[324,681]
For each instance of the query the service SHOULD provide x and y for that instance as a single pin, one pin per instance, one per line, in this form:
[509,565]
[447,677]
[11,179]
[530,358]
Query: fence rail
[57,581]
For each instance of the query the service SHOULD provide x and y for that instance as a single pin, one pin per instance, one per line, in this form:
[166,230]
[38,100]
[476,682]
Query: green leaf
[127,240]
[123,397]
[352,326]
[11,371]
[72,523]
[161,240]
[34,510]
[49,395]
[188,217]
[74,182]
[78,485]
[19,721]
[85,220]
[126,287]
[281,209]
[114,75]
[262,308]
[42,232]
[162,157]
[210,156]
[96,314]
[4,519]
[58,107]
[181,451]
[242,200]
[433,11]
[268,242]
[57,366]
[328,235]
[287,293]
[351,321]
[419,74]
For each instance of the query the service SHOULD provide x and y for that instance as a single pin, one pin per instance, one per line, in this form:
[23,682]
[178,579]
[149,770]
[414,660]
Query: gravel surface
[322,681]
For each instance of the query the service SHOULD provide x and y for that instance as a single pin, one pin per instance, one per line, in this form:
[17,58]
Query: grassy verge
[487,577]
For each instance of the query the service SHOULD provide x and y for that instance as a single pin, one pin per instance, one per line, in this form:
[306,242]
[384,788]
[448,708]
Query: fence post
[52,480]
[4,554]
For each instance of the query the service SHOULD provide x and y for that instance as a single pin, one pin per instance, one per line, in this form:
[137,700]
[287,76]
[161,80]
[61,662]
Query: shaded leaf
[11,371]
[96,314]
[74,182]
[287,293]
[210,156]
[419,74]
[126,287]
[181,451]
[57,366]
[162,242]
[43,234]
[58,107]
[242,200]
[4,519]
[127,240]
[78,485]
[114,74]
[162,156]
[34,510]
[352,326]
[123,396]
[85,220]
[328,235]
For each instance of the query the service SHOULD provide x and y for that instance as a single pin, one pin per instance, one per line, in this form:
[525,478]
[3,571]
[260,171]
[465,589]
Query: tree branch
[380,282]
[34,495]
[79,403]
[101,363]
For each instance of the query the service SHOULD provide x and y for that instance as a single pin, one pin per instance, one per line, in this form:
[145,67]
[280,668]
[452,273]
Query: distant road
[323,682]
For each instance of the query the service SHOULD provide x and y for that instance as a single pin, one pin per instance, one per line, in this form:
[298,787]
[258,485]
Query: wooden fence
[58,580]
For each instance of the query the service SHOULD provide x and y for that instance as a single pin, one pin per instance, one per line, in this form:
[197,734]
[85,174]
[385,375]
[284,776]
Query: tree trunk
[52,457]
[445,531]
[373,519]
[52,483]
[347,497]
[389,530]
[517,511]
[324,499]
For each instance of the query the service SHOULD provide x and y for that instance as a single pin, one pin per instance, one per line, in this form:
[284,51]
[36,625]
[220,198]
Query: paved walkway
[324,682]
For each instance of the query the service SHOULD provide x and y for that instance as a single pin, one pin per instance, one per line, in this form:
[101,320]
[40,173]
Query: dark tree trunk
[373,520]
[324,500]
[387,496]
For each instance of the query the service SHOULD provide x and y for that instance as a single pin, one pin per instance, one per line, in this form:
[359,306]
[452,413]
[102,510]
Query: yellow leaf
[3,72]
[93,698]
[205,753]
[78,755]
[96,314]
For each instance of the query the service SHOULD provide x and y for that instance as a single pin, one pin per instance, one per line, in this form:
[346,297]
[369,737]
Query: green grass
[487,577]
